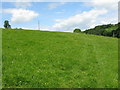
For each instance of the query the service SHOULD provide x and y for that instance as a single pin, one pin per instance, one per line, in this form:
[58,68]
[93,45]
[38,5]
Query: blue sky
[59,16]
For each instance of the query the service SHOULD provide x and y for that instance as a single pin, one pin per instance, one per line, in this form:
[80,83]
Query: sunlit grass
[42,59]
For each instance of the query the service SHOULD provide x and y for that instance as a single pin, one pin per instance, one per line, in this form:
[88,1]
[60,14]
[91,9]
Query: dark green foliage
[117,31]
[110,30]
[6,24]
[9,26]
[77,30]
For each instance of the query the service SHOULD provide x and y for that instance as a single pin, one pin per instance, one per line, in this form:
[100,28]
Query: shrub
[77,31]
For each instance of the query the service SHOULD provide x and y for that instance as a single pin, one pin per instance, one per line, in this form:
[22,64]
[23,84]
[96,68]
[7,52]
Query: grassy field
[0,59]
[42,59]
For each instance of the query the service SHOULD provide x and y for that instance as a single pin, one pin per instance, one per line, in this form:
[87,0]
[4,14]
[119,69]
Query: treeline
[111,30]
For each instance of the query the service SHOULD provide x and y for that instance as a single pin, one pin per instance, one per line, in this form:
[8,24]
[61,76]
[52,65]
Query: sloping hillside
[42,59]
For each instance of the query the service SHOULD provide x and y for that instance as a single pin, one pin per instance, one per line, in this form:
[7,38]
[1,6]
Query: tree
[77,30]
[113,33]
[6,24]
[118,31]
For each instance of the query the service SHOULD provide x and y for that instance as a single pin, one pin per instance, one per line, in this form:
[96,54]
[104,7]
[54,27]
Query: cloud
[102,12]
[61,12]
[82,20]
[35,27]
[22,4]
[55,5]
[21,15]
[106,4]
[0,10]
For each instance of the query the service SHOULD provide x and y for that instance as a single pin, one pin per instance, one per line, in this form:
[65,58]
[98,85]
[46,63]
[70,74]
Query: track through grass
[42,59]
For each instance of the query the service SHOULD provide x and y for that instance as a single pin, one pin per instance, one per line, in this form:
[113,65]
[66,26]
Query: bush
[77,31]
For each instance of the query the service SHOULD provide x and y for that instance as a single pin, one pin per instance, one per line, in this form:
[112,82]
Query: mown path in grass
[59,60]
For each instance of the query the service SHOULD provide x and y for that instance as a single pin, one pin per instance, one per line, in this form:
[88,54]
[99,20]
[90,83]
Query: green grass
[42,59]
[0,59]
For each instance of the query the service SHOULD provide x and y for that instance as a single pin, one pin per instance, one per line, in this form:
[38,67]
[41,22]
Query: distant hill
[111,30]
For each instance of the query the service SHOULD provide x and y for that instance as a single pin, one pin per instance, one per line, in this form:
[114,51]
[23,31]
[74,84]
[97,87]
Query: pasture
[43,59]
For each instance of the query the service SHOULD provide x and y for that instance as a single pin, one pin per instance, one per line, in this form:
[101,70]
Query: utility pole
[38,25]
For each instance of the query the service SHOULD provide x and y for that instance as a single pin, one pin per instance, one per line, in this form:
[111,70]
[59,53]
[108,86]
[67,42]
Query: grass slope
[41,59]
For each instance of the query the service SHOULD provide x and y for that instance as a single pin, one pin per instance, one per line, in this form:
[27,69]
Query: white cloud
[103,12]
[0,10]
[61,11]
[83,20]
[58,20]
[22,4]
[55,5]
[21,15]
[106,4]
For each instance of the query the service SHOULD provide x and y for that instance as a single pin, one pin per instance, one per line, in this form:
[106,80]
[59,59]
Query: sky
[59,16]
